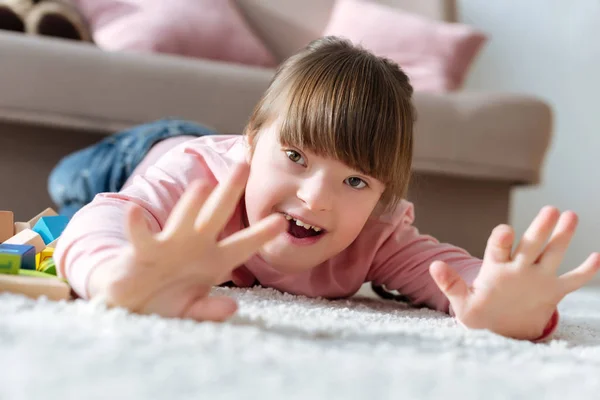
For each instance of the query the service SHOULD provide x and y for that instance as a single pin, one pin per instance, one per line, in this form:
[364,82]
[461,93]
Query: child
[308,201]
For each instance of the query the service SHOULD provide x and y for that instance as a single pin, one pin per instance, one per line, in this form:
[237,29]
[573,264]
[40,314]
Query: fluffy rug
[286,347]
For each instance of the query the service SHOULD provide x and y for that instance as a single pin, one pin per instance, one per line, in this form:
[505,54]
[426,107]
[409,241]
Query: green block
[39,274]
[9,264]
[48,266]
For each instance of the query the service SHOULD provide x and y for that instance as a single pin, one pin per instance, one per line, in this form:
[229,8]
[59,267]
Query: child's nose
[316,194]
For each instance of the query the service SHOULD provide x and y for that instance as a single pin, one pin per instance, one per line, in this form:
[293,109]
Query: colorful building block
[47,253]
[34,287]
[28,236]
[16,256]
[7,229]
[50,228]
[21,226]
[40,274]
[48,266]
[26,255]
[48,212]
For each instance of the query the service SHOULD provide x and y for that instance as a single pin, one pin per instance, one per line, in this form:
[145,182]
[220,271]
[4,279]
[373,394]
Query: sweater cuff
[550,328]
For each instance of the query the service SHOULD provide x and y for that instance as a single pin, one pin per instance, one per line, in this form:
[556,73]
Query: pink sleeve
[403,260]
[96,233]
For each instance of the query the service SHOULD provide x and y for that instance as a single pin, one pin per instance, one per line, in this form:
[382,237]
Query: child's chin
[284,262]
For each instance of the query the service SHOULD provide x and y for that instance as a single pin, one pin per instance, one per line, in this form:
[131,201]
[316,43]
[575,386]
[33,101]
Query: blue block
[16,256]
[50,228]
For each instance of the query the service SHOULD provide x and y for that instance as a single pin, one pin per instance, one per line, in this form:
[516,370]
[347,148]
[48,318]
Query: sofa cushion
[286,26]
[212,29]
[435,55]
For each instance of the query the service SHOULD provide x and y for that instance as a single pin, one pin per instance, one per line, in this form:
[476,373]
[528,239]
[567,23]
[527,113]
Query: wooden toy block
[47,253]
[39,274]
[50,228]
[16,256]
[35,286]
[28,236]
[48,212]
[48,266]
[53,243]
[21,226]
[7,220]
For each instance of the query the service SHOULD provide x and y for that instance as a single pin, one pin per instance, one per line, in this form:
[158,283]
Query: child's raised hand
[516,294]
[171,273]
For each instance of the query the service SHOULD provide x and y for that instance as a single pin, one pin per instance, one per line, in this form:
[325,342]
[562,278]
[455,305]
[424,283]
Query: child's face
[318,191]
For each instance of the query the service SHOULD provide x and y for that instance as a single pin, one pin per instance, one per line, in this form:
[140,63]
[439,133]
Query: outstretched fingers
[534,239]
[559,241]
[240,246]
[187,208]
[220,205]
[137,229]
[575,279]
[499,245]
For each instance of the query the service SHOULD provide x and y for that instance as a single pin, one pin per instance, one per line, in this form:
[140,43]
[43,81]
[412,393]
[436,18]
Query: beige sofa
[58,96]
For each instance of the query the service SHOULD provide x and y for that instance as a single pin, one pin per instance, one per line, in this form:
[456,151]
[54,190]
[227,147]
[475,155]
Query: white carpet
[286,347]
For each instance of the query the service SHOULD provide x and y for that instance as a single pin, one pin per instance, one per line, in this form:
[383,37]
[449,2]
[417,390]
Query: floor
[282,346]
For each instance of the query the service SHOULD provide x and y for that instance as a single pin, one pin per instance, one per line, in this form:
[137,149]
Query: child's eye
[295,157]
[355,183]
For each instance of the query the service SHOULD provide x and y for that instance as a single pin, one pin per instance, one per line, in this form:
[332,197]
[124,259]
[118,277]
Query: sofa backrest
[288,25]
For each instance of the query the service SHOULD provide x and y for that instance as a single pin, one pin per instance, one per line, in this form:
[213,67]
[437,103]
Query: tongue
[300,231]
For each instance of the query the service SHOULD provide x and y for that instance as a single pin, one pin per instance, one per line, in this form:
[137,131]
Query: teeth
[302,224]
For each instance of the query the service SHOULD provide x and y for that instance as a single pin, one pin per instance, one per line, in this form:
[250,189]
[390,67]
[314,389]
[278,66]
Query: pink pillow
[435,55]
[212,29]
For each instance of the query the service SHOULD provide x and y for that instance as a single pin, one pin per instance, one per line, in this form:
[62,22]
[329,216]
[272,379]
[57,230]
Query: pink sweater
[389,250]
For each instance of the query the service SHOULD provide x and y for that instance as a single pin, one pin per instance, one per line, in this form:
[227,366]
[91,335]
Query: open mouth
[301,230]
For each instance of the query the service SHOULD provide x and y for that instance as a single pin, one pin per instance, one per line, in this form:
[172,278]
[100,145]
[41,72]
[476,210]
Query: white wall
[550,48]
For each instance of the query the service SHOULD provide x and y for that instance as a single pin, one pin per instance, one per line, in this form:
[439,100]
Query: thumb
[217,309]
[450,283]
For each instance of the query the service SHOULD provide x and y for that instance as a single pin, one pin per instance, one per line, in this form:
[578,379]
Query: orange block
[30,237]
[48,212]
[7,229]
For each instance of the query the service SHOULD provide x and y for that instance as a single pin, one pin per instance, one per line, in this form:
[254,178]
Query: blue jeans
[106,165]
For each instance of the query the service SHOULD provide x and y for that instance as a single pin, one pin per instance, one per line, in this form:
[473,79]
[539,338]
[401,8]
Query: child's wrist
[550,328]
[102,275]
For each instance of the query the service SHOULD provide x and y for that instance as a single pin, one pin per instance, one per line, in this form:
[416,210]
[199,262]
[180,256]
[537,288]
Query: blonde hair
[339,100]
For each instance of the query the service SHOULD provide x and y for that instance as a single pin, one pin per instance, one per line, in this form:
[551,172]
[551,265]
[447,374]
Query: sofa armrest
[76,85]
[498,136]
